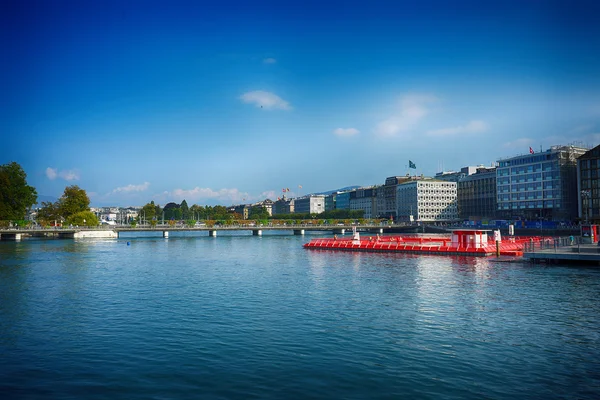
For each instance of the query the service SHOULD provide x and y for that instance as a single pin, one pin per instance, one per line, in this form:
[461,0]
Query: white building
[313,204]
[427,201]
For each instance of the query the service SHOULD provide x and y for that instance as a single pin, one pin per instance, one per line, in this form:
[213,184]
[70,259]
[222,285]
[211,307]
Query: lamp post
[585,195]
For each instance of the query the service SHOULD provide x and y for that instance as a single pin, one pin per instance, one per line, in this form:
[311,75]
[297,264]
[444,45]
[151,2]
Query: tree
[172,211]
[148,212]
[73,201]
[258,212]
[16,196]
[185,211]
[49,213]
[83,218]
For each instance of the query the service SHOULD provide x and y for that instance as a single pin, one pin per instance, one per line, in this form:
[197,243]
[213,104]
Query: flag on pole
[288,189]
[411,165]
[531,150]
[299,186]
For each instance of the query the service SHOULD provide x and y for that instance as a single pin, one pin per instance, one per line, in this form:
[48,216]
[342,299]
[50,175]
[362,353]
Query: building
[330,201]
[311,204]
[342,201]
[242,209]
[283,206]
[588,190]
[427,200]
[386,195]
[539,185]
[364,199]
[455,176]
[477,197]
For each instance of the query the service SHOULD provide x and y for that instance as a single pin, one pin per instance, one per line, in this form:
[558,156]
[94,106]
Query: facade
[242,209]
[330,201]
[312,204]
[588,190]
[539,185]
[342,201]
[267,204]
[386,195]
[477,197]
[427,201]
[364,199]
[283,206]
[456,176]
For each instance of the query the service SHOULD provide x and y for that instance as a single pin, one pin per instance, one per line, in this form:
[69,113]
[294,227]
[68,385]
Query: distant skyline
[230,102]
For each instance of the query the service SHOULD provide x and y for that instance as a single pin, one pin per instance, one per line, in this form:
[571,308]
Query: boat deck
[440,245]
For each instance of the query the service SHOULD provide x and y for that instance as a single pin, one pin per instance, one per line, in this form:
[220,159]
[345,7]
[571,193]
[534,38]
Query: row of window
[522,187]
[529,205]
[587,164]
[526,160]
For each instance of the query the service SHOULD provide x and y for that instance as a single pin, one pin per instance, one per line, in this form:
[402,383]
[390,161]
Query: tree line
[73,207]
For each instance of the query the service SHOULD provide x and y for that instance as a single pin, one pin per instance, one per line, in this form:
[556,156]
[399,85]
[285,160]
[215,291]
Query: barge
[465,242]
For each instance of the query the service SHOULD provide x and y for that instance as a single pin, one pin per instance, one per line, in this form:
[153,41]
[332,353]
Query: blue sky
[229,102]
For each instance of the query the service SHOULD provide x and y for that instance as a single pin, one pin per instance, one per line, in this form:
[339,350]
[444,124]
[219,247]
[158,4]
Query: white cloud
[269,60]
[474,126]
[519,143]
[269,194]
[266,100]
[198,193]
[346,132]
[67,175]
[132,188]
[413,108]
[70,175]
[51,173]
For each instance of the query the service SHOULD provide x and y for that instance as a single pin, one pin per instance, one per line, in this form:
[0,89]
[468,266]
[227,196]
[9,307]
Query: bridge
[113,231]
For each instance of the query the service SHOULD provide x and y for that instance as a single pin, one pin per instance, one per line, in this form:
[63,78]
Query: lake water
[242,317]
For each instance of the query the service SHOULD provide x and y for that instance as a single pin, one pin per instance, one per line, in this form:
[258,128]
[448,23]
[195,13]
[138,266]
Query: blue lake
[241,317]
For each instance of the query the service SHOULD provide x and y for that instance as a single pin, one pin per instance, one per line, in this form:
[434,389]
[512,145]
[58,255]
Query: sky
[226,102]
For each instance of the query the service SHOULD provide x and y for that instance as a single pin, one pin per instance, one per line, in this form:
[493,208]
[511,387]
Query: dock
[579,253]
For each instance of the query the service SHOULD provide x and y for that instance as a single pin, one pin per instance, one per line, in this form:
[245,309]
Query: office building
[588,190]
[427,201]
[477,198]
[539,185]
[364,199]
[311,204]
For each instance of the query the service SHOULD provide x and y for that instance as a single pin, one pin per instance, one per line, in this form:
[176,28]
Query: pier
[555,253]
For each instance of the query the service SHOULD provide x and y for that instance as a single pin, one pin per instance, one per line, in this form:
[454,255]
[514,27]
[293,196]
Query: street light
[585,195]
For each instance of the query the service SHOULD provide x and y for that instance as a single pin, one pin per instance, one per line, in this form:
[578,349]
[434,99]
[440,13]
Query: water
[260,317]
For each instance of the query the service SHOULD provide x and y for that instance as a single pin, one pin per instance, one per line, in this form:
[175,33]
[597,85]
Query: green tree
[185,210]
[16,196]
[83,218]
[219,213]
[148,212]
[49,213]
[172,211]
[258,213]
[73,201]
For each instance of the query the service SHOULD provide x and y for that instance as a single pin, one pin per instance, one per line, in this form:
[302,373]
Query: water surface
[239,316]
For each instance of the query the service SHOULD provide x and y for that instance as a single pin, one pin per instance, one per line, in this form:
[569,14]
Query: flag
[283,190]
[411,165]
[288,189]
[531,150]
[299,186]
